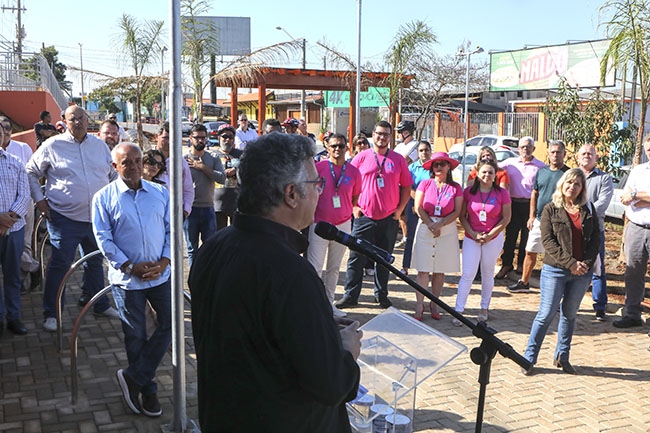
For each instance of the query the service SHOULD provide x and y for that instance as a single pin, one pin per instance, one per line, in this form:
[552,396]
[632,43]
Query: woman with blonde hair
[571,239]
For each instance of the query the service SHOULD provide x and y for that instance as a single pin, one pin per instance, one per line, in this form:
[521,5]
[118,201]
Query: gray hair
[124,144]
[558,143]
[267,166]
[527,138]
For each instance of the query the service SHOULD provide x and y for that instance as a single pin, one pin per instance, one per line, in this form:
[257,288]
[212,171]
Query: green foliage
[326,122]
[105,97]
[577,121]
[52,57]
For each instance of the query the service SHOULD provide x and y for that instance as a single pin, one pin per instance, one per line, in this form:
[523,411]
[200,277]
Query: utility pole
[303,93]
[20,32]
[83,95]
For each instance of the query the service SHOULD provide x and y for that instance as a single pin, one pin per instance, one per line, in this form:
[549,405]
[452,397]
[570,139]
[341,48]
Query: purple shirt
[188,185]
[447,195]
[522,175]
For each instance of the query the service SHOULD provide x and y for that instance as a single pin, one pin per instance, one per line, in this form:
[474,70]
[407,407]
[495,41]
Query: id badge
[482,216]
[380,181]
[336,201]
[437,210]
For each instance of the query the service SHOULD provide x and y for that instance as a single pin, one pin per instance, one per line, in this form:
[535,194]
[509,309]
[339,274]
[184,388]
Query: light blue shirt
[418,173]
[132,225]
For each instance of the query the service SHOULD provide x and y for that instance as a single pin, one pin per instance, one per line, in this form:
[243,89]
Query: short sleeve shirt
[522,175]
[435,196]
[418,173]
[350,186]
[545,183]
[639,180]
[375,201]
[494,201]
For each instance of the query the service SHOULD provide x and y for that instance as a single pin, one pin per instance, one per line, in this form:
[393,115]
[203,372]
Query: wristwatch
[128,269]
[633,195]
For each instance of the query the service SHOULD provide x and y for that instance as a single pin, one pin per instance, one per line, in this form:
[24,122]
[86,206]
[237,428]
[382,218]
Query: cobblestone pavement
[609,394]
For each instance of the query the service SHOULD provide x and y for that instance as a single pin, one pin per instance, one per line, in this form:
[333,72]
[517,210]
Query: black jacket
[269,354]
[556,236]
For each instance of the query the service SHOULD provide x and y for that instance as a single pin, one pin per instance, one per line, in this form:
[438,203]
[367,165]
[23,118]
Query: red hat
[290,122]
[226,127]
[440,156]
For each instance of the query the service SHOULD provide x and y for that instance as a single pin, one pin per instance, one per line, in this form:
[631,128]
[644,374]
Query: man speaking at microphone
[270,355]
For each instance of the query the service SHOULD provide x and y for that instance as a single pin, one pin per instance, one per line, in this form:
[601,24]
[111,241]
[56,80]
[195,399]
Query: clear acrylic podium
[397,354]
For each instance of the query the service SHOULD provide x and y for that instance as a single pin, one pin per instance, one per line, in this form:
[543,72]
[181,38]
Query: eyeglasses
[112,118]
[320,183]
[339,146]
[382,134]
[227,137]
[363,143]
[6,127]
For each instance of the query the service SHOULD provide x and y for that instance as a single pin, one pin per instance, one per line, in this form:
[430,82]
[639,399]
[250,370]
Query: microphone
[331,233]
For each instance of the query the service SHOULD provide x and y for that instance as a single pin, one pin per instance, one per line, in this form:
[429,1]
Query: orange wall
[24,107]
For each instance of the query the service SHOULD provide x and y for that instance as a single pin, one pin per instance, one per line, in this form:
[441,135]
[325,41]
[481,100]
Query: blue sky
[494,25]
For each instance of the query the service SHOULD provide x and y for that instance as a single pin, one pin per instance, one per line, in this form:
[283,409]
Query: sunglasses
[227,136]
[339,146]
[153,161]
[362,143]
[439,164]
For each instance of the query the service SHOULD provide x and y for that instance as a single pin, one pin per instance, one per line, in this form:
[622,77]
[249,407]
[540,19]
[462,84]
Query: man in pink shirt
[335,204]
[385,190]
[522,171]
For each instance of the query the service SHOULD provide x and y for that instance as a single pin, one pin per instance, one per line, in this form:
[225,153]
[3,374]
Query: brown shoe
[503,272]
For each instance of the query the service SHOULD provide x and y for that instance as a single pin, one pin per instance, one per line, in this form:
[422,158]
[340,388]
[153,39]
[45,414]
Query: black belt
[643,226]
[520,200]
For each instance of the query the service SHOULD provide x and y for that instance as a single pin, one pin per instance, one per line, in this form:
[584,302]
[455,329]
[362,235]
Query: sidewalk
[610,394]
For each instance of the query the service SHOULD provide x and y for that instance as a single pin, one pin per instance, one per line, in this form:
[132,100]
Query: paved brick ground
[609,395]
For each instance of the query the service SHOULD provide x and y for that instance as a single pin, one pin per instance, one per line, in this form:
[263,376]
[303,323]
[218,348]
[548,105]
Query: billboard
[541,68]
[233,34]
[374,97]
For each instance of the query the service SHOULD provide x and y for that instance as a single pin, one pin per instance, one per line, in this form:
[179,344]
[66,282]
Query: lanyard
[440,195]
[381,167]
[337,184]
[486,198]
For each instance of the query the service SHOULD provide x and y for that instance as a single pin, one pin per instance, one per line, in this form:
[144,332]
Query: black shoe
[528,372]
[503,272]
[130,391]
[600,315]
[151,405]
[84,299]
[16,327]
[519,287]
[384,302]
[345,302]
[35,280]
[565,366]
[627,322]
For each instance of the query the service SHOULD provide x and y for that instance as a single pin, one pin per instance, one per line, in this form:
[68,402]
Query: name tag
[336,201]
[482,216]
[437,210]
[380,181]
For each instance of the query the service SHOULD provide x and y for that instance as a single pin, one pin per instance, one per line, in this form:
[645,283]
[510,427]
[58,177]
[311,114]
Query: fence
[521,125]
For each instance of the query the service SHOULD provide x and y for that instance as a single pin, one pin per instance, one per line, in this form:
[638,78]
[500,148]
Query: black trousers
[520,213]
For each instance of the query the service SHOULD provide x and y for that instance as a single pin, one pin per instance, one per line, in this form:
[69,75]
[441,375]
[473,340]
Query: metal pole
[303,94]
[81,59]
[465,117]
[162,84]
[358,90]
[19,34]
[179,422]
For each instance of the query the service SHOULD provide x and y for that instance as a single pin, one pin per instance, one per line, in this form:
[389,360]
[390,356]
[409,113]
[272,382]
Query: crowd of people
[246,201]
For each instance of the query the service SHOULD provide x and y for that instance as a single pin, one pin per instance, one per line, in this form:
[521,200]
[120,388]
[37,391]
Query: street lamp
[303,105]
[462,53]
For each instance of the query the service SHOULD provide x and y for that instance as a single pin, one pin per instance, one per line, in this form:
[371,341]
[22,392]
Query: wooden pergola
[303,79]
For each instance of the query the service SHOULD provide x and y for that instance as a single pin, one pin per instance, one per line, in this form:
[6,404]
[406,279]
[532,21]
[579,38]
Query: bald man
[599,191]
[75,165]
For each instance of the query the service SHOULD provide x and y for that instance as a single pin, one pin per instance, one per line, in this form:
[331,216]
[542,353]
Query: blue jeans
[65,236]
[557,285]
[411,224]
[382,233]
[11,250]
[144,355]
[599,282]
[201,221]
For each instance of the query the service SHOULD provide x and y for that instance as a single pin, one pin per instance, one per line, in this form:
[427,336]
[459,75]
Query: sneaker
[600,315]
[130,391]
[627,322]
[519,287]
[345,302]
[110,312]
[370,272]
[401,243]
[151,405]
[50,324]
[338,313]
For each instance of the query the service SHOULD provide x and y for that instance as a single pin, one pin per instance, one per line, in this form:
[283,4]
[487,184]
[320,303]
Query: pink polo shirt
[522,175]
[494,201]
[379,202]
[349,187]
[447,194]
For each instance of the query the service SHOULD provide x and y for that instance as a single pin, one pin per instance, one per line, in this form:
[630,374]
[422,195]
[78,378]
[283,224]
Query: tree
[105,97]
[199,43]
[139,43]
[628,24]
[51,56]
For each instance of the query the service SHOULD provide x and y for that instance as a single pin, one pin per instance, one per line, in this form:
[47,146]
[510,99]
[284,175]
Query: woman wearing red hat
[485,214]
[438,202]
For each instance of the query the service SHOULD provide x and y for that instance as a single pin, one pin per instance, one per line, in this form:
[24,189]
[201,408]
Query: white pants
[473,254]
[318,249]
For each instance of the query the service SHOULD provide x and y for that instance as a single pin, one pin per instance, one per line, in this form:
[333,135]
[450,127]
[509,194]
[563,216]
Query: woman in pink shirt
[438,202]
[486,212]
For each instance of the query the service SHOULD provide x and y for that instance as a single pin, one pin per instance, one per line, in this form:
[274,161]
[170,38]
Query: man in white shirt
[121,131]
[244,134]
[408,148]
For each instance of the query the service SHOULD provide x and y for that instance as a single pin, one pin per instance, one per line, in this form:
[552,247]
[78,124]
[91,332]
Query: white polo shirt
[639,180]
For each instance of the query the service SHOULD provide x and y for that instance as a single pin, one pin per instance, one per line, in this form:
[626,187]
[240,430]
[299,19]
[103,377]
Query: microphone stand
[481,355]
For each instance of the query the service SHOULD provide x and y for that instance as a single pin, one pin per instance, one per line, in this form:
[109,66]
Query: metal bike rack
[37,226]
[42,258]
[59,294]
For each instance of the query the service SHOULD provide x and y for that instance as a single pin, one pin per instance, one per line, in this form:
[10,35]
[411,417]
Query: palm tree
[139,42]
[627,23]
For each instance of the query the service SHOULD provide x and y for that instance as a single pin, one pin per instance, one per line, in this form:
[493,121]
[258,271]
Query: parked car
[616,209]
[213,127]
[503,141]
[471,157]
[186,126]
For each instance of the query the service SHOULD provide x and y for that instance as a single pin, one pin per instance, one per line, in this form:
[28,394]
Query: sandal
[417,316]
[457,322]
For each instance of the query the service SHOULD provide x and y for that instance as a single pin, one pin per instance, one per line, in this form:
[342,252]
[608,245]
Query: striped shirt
[14,188]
